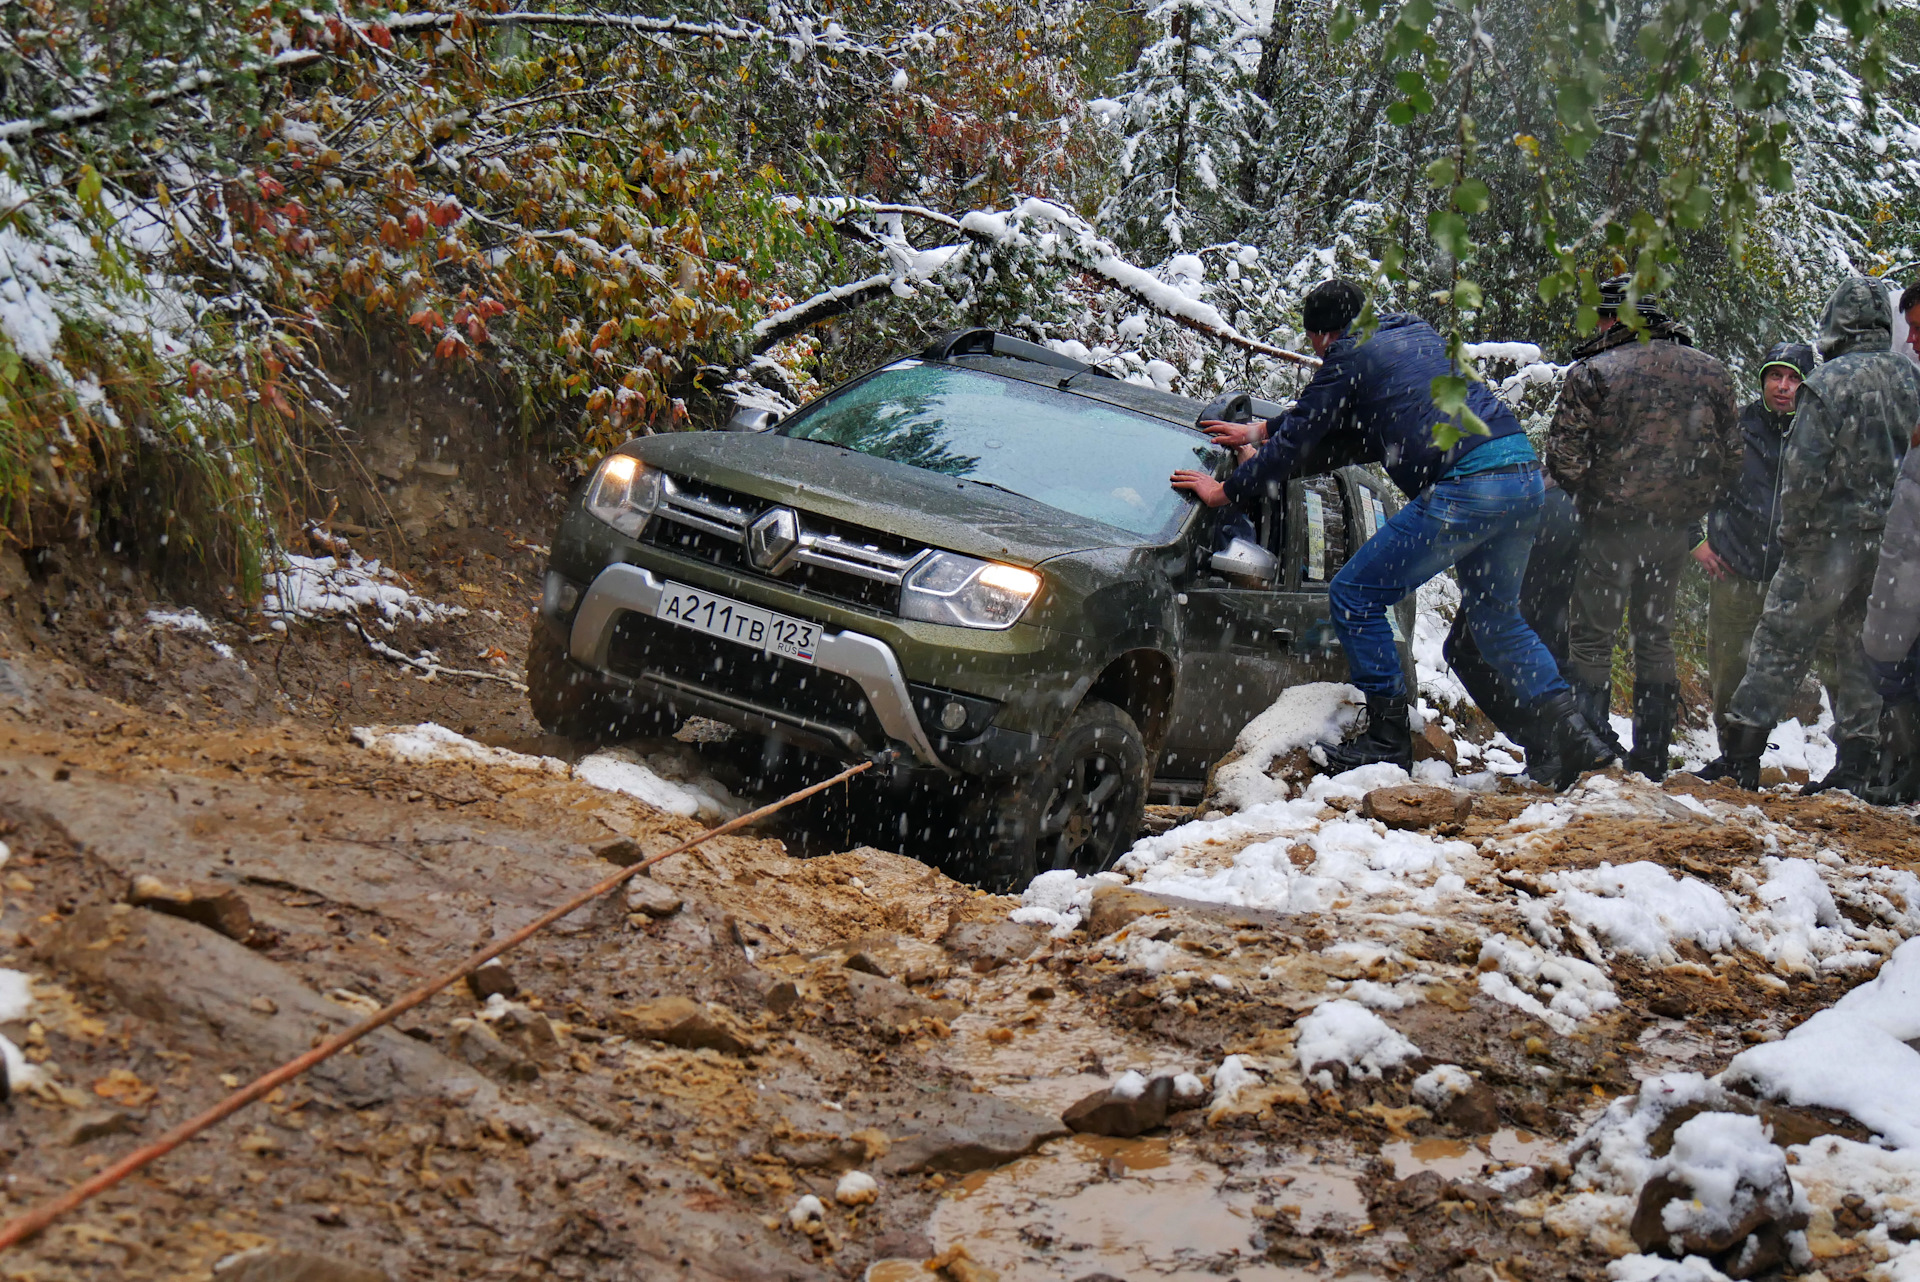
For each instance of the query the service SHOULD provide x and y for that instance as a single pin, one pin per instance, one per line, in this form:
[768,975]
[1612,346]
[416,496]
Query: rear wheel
[1079,811]
[568,700]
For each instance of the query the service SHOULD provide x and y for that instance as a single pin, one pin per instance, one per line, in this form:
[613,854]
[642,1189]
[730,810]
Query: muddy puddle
[1469,1159]
[1147,1208]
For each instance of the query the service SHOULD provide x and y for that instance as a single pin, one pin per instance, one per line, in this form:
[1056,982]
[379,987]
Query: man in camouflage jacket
[1645,437]
[1850,432]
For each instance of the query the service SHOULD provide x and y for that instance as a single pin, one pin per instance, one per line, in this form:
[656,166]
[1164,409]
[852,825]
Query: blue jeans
[1898,681]
[1484,527]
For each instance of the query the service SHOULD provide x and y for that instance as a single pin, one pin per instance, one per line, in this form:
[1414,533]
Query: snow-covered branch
[198,82]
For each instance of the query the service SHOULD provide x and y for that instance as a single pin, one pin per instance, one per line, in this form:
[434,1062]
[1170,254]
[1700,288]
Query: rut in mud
[1330,1045]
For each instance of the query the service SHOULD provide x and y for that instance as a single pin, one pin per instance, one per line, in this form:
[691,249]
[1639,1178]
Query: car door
[1242,646]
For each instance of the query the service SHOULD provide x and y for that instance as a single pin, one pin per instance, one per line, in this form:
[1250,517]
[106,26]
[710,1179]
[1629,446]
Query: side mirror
[753,418]
[1234,407]
[1246,564]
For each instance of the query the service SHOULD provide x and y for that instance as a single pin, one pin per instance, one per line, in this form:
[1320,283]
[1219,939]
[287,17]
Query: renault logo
[771,538]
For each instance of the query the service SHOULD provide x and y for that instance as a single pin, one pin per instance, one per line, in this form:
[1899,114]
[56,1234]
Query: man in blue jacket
[1475,506]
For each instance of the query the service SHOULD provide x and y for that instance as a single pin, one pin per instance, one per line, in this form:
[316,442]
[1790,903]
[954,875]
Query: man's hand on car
[1201,486]
[1711,561]
[1234,435]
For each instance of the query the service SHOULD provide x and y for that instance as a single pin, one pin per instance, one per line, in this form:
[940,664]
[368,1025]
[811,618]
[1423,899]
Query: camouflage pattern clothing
[1645,429]
[1850,432]
[1851,424]
[1891,634]
[1820,588]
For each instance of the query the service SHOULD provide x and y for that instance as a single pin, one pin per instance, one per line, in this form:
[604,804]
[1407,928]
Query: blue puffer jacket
[1380,389]
[1744,527]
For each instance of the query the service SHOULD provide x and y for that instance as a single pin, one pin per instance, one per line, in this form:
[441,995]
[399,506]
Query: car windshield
[1094,461]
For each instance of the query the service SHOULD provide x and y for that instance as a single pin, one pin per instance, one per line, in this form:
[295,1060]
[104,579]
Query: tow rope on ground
[33,1221]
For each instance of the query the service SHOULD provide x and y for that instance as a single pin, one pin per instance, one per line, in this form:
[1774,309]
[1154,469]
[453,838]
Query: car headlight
[624,493]
[948,588]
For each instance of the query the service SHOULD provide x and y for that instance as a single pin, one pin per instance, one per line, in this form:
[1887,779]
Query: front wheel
[567,700]
[1079,811]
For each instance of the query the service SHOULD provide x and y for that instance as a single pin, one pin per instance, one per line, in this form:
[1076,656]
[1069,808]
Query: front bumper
[866,661]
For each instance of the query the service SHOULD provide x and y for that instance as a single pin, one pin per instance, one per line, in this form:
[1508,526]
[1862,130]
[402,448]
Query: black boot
[1559,723]
[1656,708]
[1852,768]
[1739,759]
[1595,703]
[1899,756]
[1386,738]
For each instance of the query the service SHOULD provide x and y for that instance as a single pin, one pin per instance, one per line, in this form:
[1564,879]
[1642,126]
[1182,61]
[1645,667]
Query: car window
[1325,510]
[1092,460]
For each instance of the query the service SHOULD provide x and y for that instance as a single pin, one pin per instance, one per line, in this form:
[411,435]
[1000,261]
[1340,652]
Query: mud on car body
[967,566]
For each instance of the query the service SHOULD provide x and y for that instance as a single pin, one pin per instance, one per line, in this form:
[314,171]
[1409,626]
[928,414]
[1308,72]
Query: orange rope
[24,1226]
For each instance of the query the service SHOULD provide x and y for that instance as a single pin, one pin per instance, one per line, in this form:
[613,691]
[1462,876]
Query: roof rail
[985,342]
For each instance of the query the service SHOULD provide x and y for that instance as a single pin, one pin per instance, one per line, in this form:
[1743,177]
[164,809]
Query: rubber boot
[1386,738]
[1559,723]
[1739,759]
[1656,709]
[1595,703]
[1852,768]
[1899,756]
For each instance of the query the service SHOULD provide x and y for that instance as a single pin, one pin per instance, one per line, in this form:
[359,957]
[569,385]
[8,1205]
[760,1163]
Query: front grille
[835,559]
[643,646]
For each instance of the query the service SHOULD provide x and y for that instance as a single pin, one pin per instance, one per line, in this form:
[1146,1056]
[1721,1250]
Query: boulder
[680,1022]
[1416,805]
[879,1000]
[989,945]
[491,979]
[965,1132]
[1433,743]
[645,895]
[1475,1110]
[218,908]
[1740,1213]
[1114,1110]
[1115,906]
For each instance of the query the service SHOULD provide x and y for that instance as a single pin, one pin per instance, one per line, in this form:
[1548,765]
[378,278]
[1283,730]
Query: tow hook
[897,764]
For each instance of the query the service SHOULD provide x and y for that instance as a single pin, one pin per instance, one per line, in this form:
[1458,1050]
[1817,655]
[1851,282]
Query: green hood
[1858,319]
[937,510]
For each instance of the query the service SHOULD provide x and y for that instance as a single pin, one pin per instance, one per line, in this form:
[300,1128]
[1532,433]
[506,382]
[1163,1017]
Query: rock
[529,1032]
[218,908]
[1416,805]
[1115,906]
[865,965]
[491,979]
[1189,1092]
[808,1216]
[1433,743]
[966,1132]
[96,1122]
[1670,1005]
[479,1046]
[268,1264]
[1416,1193]
[877,1000]
[1475,1111]
[645,895]
[1113,1112]
[1741,1229]
[989,945]
[686,1024]
[856,1188]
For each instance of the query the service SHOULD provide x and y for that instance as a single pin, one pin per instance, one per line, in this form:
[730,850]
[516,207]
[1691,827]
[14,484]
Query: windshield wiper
[1003,489]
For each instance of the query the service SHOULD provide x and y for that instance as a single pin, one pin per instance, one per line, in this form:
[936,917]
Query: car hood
[937,510]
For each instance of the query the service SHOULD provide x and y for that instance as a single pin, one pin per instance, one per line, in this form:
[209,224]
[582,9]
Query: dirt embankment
[654,1088]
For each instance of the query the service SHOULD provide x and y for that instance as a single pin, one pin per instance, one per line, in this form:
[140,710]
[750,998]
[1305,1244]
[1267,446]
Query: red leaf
[426,318]
[446,212]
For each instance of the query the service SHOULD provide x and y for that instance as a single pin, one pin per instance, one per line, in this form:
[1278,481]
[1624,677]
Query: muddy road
[1338,1033]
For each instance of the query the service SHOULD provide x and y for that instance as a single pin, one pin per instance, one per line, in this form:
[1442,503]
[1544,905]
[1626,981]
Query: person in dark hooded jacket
[1474,506]
[1891,634]
[1850,432]
[1741,549]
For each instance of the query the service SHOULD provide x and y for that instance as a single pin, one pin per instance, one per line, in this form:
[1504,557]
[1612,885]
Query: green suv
[968,567]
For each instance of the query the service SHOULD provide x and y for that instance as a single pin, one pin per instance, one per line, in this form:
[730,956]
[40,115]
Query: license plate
[744,624]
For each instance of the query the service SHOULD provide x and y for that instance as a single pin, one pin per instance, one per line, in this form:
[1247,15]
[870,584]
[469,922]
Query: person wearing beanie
[1645,437]
[1741,547]
[1891,634]
[1474,505]
[1850,432]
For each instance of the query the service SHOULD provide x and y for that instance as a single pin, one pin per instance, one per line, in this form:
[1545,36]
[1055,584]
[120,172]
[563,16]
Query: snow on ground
[16,1006]
[619,770]
[309,587]
[1791,746]
[189,621]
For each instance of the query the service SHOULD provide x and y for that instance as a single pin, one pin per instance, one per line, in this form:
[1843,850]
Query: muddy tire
[568,700]
[1081,810]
